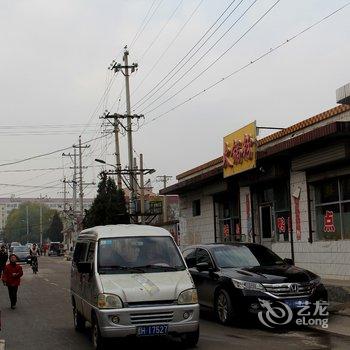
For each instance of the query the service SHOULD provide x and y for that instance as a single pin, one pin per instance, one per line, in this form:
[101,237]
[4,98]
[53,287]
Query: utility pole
[81,191]
[41,223]
[164,179]
[126,71]
[117,148]
[27,212]
[75,181]
[142,191]
[64,194]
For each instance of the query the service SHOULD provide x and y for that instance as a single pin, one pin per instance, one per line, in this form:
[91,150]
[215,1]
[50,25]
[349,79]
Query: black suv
[233,278]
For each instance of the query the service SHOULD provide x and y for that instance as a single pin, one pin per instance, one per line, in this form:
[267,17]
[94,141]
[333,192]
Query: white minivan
[132,280]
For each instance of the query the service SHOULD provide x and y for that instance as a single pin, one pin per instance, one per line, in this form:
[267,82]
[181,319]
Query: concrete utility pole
[164,179]
[117,148]
[81,191]
[41,223]
[126,71]
[27,212]
[64,194]
[142,191]
[75,181]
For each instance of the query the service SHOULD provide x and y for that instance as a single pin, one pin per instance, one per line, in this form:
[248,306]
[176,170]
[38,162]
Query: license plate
[146,331]
[296,303]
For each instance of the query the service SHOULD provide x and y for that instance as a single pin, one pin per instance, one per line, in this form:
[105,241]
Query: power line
[146,24]
[265,54]
[212,63]
[141,25]
[193,47]
[168,47]
[47,154]
[161,30]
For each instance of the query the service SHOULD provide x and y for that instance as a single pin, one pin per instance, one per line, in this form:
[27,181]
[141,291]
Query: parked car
[14,244]
[131,280]
[56,248]
[231,278]
[22,253]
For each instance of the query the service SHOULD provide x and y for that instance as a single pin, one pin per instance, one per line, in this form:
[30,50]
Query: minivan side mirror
[289,261]
[84,267]
[203,266]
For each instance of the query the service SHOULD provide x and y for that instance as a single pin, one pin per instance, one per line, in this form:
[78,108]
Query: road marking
[54,284]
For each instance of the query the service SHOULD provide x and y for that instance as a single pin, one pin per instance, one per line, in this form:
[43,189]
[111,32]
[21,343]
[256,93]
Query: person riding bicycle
[34,253]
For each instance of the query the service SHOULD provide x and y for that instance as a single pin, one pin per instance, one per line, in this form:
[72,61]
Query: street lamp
[103,162]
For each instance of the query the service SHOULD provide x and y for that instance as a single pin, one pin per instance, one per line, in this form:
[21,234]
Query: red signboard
[226,230]
[329,222]
[281,225]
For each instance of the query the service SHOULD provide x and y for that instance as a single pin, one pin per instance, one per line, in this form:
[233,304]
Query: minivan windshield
[245,256]
[138,255]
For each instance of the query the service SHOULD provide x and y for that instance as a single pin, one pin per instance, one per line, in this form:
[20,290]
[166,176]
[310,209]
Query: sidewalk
[339,298]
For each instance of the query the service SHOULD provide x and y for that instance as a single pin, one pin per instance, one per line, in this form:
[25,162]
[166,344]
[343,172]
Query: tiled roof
[275,136]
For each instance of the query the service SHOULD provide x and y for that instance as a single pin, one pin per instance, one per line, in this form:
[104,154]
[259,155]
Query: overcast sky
[53,69]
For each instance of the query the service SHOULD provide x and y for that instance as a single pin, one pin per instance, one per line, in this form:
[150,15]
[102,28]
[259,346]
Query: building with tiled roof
[295,198]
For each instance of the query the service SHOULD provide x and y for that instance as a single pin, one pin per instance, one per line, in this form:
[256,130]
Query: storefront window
[333,209]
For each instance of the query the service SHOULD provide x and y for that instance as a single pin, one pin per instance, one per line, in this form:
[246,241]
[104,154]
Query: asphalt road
[43,320]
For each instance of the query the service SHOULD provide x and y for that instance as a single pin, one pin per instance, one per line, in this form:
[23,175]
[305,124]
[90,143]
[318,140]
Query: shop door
[266,224]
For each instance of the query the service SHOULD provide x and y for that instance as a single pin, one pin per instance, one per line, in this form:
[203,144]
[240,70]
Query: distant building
[10,203]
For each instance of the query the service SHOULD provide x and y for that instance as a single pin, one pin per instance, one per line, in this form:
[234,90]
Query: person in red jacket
[12,279]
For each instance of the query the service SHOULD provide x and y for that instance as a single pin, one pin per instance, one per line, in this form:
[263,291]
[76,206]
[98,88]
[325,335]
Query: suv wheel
[223,307]
[79,321]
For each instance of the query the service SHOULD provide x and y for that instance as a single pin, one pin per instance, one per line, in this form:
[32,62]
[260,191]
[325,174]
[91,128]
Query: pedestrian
[12,279]
[34,253]
[3,258]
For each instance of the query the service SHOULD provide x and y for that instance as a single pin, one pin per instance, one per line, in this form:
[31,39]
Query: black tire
[223,307]
[79,320]
[98,341]
[190,340]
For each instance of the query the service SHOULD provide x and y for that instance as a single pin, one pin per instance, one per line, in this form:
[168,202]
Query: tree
[16,224]
[109,206]
[54,232]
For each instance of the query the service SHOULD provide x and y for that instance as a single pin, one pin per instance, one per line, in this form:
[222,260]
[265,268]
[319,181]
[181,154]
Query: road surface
[43,320]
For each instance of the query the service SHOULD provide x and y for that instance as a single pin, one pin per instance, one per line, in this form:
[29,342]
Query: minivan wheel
[190,340]
[79,321]
[223,307]
[97,340]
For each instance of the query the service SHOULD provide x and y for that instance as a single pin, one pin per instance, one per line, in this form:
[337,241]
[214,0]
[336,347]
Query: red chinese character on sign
[237,153]
[329,222]
[247,148]
[227,154]
[281,225]
[226,230]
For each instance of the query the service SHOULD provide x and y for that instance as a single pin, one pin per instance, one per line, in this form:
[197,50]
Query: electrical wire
[204,55]
[212,63]
[138,32]
[188,53]
[162,29]
[48,153]
[169,46]
[253,61]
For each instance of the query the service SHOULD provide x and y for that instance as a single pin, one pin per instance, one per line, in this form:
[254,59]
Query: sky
[55,83]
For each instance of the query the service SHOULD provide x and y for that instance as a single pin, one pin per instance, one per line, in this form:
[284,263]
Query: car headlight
[109,301]
[188,296]
[316,281]
[248,285]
